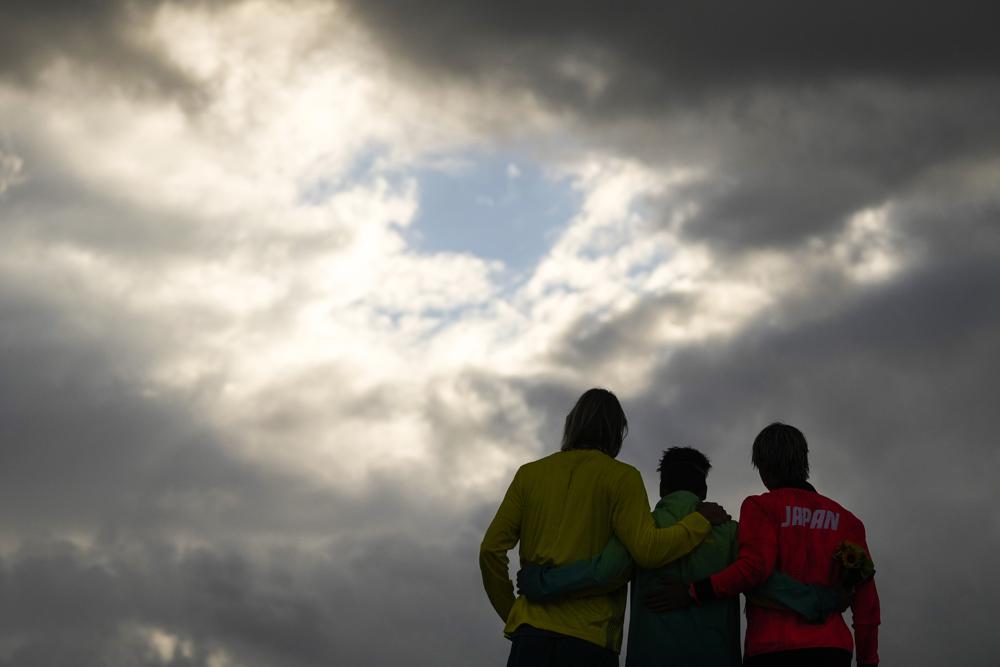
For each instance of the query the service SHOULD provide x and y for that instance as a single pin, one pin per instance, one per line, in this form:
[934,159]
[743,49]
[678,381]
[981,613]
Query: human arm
[867,614]
[651,547]
[501,536]
[755,559]
[810,601]
[780,591]
[607,570]
[865,609]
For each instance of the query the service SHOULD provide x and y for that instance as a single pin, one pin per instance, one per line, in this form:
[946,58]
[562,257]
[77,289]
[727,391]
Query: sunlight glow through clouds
[868,247]
[295,290]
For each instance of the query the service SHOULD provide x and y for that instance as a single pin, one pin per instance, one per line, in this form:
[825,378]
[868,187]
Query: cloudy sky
[288,290]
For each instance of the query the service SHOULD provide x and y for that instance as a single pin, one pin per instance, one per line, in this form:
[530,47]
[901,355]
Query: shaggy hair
[781,452]
[597,421]
[684,469]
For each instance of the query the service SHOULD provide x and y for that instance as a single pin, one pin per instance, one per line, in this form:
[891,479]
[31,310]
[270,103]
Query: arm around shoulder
[756,556]
[651,547]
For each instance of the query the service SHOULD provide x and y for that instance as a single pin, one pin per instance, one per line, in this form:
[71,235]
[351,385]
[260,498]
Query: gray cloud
[797,165]
[123,510]
[86,455]
[291,607]
[658,53]
[100,36]
[801,115]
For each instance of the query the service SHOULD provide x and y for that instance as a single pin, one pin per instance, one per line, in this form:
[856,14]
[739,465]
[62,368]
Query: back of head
[781,454]
[597,421]
[684,469]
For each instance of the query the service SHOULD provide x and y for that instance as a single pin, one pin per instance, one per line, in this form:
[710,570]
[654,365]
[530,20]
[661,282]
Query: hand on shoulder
[714,513]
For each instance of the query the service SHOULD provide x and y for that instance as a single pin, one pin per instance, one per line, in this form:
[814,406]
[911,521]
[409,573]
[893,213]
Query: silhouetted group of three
[583,522]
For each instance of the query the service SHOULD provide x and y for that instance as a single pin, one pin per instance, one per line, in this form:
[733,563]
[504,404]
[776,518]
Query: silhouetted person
[702,636]
[564,508]
[795,529]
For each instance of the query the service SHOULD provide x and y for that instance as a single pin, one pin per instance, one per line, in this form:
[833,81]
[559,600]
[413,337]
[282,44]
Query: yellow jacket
[564,508]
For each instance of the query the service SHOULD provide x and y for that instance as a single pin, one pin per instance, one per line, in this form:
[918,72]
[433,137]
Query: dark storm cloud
[788,167]
[64,604]
[800,113]
[660,52]
[663,47]
[97,34]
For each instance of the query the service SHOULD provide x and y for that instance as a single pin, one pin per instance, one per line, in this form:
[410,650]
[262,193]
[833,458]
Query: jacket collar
[798,484]
[679,503]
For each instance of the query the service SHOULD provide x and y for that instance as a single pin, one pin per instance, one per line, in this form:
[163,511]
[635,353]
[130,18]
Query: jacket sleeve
[651,547]
[865,631]
[501,536]
[758,552]
[608,569]
[867,617]
[811,602]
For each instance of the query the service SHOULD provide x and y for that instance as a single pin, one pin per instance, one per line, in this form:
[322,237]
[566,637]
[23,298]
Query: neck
[791,484]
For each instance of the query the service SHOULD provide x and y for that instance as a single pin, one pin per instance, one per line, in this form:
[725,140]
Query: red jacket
[796,530]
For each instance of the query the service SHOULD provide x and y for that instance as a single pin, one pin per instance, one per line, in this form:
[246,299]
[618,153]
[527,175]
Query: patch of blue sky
[495,206]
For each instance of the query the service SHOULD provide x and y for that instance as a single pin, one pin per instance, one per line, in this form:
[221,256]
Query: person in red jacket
[795,529]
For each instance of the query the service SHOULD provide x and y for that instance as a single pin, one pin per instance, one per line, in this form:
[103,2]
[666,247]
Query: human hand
[713,513]
[667,595]
[529,581]
[844,597]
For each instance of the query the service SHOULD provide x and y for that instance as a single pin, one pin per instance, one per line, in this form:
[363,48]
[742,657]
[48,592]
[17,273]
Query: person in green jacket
[702,636]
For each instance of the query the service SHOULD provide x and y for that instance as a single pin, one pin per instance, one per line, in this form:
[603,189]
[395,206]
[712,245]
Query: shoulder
[532,471]
[835,506]
[623,475]
[620,467]
[852,524]
[762,501]
[610,467]
[848,522]
[594,462]
[540,466]
[726,531]
[769,506]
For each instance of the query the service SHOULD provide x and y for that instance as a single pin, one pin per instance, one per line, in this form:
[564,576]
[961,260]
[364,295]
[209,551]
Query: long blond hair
[597,421]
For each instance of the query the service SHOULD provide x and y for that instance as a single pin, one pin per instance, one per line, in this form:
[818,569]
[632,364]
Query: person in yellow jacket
[564,508]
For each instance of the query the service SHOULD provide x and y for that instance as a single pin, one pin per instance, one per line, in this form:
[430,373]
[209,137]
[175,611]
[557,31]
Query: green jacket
[708,635]
[704,636]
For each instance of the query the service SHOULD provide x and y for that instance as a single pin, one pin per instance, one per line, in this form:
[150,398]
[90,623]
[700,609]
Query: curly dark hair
[684,469]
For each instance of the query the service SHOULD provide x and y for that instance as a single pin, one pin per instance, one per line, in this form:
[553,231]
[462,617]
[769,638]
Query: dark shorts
[805,657]
[531,647]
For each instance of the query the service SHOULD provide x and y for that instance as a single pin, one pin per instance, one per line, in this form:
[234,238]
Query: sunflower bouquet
[852,565]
